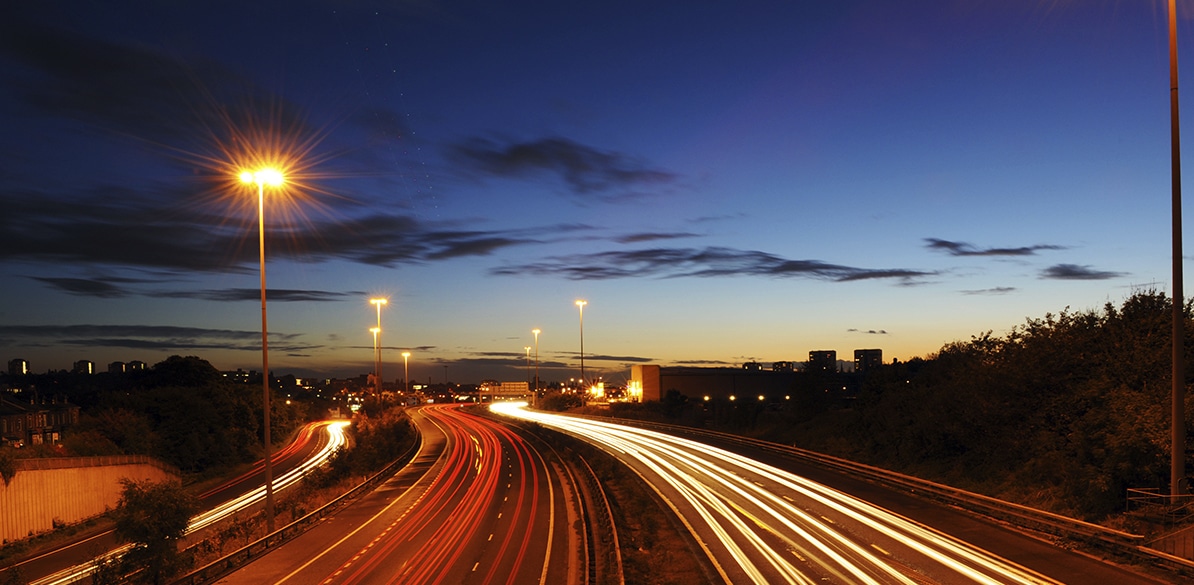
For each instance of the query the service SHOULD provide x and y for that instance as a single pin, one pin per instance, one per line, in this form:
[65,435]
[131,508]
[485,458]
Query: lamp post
[377,343]
[376,331]
[406,371]
[1177,452]
[261,178]
[581,304]
[535,396]
[528,350]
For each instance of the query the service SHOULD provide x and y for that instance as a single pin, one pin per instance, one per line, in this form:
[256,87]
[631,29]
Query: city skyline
[721,184]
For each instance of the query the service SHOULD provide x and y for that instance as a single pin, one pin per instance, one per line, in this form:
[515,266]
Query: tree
[8,464]
[153,516]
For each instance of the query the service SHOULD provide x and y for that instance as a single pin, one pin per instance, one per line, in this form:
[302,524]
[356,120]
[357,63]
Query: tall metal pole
[1177,461]
[535,396]
[406,372]
[265,402]
[376,331]
[377,345]
[582,304]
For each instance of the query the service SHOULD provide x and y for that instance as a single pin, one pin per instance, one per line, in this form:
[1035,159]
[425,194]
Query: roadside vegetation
[1064,412]
[182,411]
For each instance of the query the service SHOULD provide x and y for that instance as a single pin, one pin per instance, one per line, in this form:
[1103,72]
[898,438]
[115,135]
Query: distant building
[783,367]
[136,366]
[116,368]
[84,367]
[30,423]
[866,360]
[756,366]
[18,367]
[653,382]
[822,360]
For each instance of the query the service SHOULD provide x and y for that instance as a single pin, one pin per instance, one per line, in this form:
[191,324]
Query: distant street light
[261,178]
[535,396]
[581,304]
[377,343]
[406,371]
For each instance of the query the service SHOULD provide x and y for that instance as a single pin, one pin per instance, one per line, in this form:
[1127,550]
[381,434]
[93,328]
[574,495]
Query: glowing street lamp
[535,396]
[262,177]
[377,343]
[581,304]
[406,370]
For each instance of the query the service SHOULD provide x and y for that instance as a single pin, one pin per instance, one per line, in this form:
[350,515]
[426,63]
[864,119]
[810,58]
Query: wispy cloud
[254,294]
[103,288]
[966,249]
[999,290]
[164,338]
[868,331]
[652,237]
[114,287]
[1077,272]
[699,262]
[120,228]
[586,170]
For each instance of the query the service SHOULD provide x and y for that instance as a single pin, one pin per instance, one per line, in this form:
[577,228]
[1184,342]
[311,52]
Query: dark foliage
[185,412]
[1065,412]
[376,441]
[559,401]
[153,518]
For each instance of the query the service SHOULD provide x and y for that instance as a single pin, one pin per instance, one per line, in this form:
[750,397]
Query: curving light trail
[336,439]
[760,524]
[486,467]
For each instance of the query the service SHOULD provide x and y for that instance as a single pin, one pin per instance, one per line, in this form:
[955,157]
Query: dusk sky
[722,182]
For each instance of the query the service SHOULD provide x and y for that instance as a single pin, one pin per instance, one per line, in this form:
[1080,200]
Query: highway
[477,504]
[312,445]
[758,523]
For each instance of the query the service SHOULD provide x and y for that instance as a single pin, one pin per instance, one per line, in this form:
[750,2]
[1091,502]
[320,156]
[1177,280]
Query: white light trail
[336,439]
[748,505]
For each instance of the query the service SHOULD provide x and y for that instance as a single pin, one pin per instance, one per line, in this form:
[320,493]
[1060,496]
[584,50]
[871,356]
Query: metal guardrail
[604,516]
[223,566]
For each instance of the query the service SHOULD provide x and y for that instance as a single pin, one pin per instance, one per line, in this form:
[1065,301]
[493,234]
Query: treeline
[1064,412]
[182,411]
[377,438]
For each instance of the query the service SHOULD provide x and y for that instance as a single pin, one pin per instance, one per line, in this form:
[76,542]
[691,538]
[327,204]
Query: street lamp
[262,177]
[377,343]
[376,331]
[535,396]
[406,370]
[581,303]
[1177,451]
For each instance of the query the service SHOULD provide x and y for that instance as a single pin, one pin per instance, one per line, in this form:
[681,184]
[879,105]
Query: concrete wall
[68,490]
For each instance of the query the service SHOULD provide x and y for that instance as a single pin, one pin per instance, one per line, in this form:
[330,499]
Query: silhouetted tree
[152,517]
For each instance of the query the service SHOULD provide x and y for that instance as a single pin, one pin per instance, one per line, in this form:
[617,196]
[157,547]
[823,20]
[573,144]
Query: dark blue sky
[721,181]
